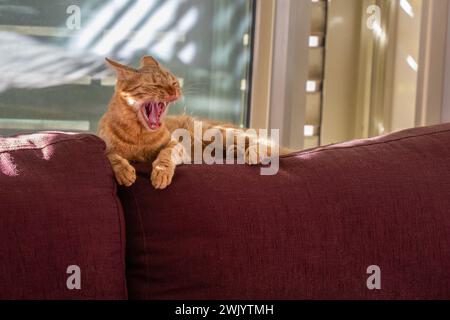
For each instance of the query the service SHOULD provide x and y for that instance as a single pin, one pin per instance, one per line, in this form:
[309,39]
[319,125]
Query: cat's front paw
[125,174]
[162,176]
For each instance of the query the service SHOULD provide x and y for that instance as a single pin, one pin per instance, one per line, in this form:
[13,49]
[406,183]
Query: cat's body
[135,143]
[135,127]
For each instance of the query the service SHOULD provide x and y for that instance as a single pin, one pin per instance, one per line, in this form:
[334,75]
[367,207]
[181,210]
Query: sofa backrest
[334,223]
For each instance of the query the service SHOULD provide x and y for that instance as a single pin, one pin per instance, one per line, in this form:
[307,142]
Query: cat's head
[148,91]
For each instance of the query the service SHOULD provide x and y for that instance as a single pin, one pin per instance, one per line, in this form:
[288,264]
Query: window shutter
[316,71]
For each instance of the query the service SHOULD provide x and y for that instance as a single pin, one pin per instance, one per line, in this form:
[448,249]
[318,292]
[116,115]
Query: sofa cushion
[312,231]
[58,208]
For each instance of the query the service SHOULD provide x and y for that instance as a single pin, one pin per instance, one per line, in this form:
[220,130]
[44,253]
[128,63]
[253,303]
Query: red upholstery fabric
[310,232]
[58,207]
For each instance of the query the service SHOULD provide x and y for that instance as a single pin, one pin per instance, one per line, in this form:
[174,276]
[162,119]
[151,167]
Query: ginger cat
[136,128]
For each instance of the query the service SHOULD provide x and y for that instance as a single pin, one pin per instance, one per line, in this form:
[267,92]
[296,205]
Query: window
[52,70]
[376,56]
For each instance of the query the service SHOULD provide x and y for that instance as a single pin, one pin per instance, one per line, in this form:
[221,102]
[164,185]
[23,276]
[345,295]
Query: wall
[341,76]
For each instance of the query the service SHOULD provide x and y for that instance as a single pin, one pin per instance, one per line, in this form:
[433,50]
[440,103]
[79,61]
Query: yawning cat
[136,128]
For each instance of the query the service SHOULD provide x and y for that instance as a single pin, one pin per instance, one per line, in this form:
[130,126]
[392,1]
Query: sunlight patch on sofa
[7,165]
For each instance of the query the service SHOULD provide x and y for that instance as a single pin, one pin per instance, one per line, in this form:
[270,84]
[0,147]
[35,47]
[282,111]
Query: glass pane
[52,70]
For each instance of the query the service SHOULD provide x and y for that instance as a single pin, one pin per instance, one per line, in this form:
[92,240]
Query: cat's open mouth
[153,113]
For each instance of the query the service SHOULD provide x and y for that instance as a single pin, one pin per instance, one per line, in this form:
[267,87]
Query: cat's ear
[148,61]
[123,72]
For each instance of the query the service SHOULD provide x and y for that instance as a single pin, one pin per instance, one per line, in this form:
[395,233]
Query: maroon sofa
[226,232]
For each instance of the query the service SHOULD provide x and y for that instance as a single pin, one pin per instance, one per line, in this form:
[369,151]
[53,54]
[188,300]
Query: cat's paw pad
[125,175]
[162,176]
[252,156]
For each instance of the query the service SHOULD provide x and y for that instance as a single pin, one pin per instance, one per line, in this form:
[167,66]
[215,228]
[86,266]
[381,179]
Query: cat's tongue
[153,117]
[154,112]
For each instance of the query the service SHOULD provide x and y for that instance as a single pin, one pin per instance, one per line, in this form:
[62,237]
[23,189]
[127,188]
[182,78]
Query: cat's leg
[252,155]
[247,146]
[123,170]
[258,150]
[165,164]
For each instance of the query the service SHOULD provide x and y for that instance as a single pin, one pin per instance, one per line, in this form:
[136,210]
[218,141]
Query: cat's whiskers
[194,85]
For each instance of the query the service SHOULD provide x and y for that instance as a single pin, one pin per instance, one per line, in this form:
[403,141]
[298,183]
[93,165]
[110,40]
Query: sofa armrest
[59,211]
